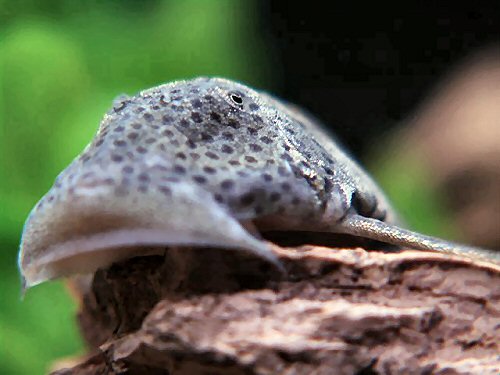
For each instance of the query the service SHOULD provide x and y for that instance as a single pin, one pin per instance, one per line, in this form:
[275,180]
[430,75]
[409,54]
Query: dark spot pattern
[227,149]
[286,186]
[144,177]
[165,190]
[227,184]
[266,140]
[179,169]
[148,117]
[233,124]
[168,133]
[257,119]
[215,116]
[255,147]
[196,103]
[167,120]
[252,131]
[228,136]
[128,169]
[247,199]
[282,171]
[197,136]
[209,170]
[267,177]
[212,155]
[199,179]
[196,117]
[132,136]
[206,137]
[116,158]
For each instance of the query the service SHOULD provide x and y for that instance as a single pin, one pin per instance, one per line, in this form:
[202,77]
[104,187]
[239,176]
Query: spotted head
[181,163]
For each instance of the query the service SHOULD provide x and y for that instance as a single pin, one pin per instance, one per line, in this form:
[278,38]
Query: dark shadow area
[362,68]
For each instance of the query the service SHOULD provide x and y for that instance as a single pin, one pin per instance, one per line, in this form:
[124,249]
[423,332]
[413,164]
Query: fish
[206,162]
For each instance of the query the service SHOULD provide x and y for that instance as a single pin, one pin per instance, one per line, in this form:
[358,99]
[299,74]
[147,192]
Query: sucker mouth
[80,236]
[86,254]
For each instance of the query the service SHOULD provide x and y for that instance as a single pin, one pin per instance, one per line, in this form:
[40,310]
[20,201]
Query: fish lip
[87,254]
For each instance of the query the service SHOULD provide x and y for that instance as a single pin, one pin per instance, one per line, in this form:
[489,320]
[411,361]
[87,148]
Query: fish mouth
[82,234]
[86,254]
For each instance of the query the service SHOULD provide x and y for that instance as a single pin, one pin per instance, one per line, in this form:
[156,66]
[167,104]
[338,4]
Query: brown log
[207,311]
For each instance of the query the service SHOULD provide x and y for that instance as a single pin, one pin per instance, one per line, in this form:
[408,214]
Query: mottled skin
[193,162]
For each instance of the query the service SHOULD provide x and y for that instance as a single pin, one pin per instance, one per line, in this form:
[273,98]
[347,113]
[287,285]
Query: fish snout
[91,221]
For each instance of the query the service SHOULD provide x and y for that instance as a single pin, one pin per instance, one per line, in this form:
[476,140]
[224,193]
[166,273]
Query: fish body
[193,163]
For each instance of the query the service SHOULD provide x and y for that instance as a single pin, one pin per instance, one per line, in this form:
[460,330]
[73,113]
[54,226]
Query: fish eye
[236,98]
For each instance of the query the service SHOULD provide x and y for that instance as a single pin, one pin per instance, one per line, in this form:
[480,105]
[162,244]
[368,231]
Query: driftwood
[206,311]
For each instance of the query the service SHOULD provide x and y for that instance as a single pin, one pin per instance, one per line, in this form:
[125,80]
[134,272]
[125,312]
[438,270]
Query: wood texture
[351,311]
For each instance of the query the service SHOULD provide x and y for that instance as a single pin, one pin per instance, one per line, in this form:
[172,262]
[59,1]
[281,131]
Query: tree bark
[350,311]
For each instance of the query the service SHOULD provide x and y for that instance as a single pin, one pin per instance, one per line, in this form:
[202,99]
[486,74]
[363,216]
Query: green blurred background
[61,65]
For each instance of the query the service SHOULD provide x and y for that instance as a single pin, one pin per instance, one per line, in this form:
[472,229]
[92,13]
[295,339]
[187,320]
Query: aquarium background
[63,62]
